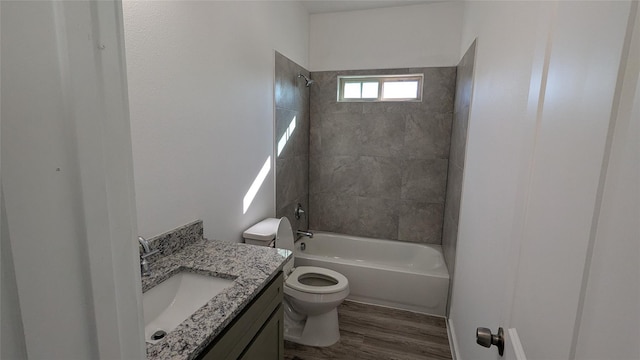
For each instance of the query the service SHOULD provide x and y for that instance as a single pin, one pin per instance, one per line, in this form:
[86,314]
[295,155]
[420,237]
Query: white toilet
[311,294]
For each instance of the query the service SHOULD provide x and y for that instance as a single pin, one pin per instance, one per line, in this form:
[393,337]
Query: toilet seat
[293,281]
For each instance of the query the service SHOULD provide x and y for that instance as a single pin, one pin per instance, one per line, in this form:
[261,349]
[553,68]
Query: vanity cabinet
[257,333]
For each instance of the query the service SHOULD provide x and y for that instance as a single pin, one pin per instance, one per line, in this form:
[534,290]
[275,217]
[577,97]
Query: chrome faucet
[308,234]
[145,268]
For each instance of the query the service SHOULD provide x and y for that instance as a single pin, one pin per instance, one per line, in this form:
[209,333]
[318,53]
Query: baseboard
[453,340]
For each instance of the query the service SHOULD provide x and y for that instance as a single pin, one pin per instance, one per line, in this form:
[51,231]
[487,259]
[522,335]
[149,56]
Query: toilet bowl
[311,294]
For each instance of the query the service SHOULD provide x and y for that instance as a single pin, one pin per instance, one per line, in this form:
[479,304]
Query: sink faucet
[308,234]
[145,268]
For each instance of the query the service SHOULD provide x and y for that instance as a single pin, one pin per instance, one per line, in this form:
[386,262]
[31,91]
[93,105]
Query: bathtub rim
[440,272]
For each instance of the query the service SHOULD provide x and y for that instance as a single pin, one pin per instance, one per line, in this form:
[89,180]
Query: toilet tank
[262,233]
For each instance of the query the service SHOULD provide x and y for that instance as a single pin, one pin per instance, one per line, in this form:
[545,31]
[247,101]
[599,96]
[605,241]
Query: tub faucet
[145,268]
[308,234]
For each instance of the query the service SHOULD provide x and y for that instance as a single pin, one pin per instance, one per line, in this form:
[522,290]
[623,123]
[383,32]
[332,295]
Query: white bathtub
[397,274]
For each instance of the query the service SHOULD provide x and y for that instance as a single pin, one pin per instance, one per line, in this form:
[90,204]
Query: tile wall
[292,163]
[460,124]
[380,169]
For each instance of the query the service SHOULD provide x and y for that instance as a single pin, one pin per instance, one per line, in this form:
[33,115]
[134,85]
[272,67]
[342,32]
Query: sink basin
[171,302]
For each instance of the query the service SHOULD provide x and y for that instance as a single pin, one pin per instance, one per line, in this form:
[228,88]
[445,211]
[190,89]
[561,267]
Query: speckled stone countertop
[251,267]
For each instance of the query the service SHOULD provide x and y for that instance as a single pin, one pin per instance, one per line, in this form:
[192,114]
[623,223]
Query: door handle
[485,338]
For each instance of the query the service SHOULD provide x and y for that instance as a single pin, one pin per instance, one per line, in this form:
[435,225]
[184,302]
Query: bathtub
[400,275]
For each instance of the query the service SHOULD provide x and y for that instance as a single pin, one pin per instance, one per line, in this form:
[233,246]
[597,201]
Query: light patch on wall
[255,186]
[286,136]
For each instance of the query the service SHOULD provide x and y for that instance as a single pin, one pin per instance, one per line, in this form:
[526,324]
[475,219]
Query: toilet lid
[284,234]
[335,282]
[284,240]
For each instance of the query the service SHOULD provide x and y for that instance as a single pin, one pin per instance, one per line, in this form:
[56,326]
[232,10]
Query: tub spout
[308,234]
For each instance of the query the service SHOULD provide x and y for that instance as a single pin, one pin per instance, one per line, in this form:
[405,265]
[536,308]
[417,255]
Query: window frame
[380,79]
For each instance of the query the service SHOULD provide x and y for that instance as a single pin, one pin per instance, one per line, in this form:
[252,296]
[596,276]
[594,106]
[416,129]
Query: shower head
[308,81]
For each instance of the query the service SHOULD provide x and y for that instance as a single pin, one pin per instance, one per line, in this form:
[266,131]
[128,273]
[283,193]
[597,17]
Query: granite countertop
[251,267]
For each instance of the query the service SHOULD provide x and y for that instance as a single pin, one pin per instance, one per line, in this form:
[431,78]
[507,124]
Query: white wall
[498,144]
[610,325]
[43,205]
[407,36]
[585,54]
[12,332]
[545,79]
[201,99]
[67,180]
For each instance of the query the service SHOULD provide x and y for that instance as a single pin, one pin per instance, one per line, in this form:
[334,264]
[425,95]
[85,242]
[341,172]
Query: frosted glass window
[399,89]
[352,91]
[380,88]
[370,90]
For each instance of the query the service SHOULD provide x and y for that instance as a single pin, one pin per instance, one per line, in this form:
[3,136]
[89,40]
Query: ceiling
[328,6]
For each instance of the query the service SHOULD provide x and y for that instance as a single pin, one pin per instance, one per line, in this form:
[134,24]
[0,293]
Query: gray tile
[334,174]
[290,180]
[427,136]
[290,91]
[461,107]
[377,218]
[424,180]
[323,92]
[454,191]
[408,107]
[283,94]
[449,242]
[302,92]
[340,134]
[451,216]
[300,175]
[382,135]
[300,135]
[284,117]
[464,87]
[379,177]
[439,89]
[288,210]
[347,108]
[315,134]
[285,87]
[282,186]
[291,98]
[459,136]
[420,222]
[333,212]
[325,95]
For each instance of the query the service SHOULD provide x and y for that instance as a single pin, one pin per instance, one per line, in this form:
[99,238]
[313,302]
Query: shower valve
[298,212]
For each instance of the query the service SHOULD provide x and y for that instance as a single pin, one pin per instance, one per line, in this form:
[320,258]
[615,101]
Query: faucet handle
[146,255]
[145,268]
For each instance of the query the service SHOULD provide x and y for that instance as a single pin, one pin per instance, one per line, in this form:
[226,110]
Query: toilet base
[319,330]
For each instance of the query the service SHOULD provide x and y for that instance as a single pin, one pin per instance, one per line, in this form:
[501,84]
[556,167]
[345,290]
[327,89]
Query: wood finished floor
[375,333]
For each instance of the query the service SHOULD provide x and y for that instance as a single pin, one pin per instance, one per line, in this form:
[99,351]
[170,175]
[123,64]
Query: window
[380,88]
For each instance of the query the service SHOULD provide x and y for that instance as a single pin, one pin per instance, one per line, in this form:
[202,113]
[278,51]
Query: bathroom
[200,78]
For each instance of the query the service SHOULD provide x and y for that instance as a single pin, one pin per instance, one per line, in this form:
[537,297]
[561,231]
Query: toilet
[311,294]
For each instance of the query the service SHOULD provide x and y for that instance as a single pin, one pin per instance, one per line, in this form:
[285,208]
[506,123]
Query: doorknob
[485,338]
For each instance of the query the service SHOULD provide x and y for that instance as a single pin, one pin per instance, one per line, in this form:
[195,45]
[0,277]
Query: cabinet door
[233,343]
[268,343]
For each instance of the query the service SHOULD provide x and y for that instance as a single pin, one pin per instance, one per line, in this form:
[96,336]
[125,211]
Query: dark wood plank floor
[376,333]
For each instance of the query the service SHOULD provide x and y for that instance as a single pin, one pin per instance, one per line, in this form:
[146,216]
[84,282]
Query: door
[546,85]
